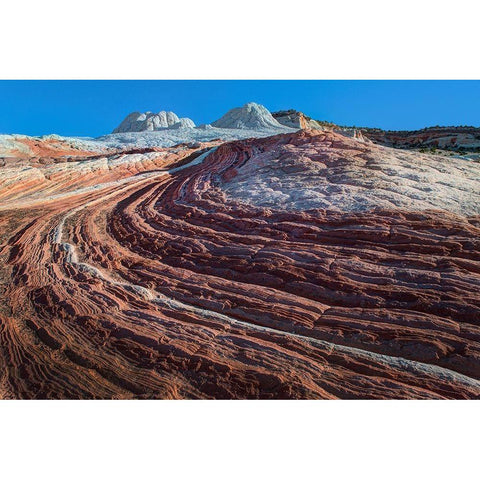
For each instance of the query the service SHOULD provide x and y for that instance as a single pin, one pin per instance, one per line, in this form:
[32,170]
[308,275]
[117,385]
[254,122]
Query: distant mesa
[251,116]
[148,122]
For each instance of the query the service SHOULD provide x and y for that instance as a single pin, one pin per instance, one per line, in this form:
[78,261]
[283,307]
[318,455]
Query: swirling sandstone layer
[175,284]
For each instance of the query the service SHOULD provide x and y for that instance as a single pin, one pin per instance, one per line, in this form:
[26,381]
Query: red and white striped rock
[173,285]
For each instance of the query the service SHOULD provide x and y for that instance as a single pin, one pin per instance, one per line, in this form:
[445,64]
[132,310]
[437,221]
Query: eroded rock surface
[169,282]
[296,120]
[328,171]
[148,121]
[457,138]
[250,116]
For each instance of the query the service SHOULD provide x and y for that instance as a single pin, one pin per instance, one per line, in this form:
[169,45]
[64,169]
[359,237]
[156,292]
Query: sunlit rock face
[250,116]
[301,265]
[23,147]
[148,121]
[329,171]
[183,123]
[296,120]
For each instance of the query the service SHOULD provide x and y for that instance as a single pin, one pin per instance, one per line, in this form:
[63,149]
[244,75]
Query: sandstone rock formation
[256,118]
[297,120]
[450,138]
[250,116]
[467,138]
[148,121]
[331,172]
[153,275]
[22,147]
[184,123]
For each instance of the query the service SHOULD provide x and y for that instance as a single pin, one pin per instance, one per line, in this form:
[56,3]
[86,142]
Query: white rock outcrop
[148,121]
[184,123]
[250,116]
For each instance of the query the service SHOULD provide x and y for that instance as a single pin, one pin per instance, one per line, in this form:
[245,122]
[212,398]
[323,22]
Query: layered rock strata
[173,284]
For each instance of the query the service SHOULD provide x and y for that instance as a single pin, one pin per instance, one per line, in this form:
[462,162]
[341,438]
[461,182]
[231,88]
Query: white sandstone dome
[148,121]
[184,123]
[250,116]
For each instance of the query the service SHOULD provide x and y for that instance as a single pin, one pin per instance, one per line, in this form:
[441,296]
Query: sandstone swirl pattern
[172,282]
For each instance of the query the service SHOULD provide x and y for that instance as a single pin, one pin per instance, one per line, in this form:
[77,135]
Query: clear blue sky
[94,107]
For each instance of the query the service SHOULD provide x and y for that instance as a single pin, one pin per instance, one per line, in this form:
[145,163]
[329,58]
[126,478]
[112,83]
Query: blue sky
[95,107]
